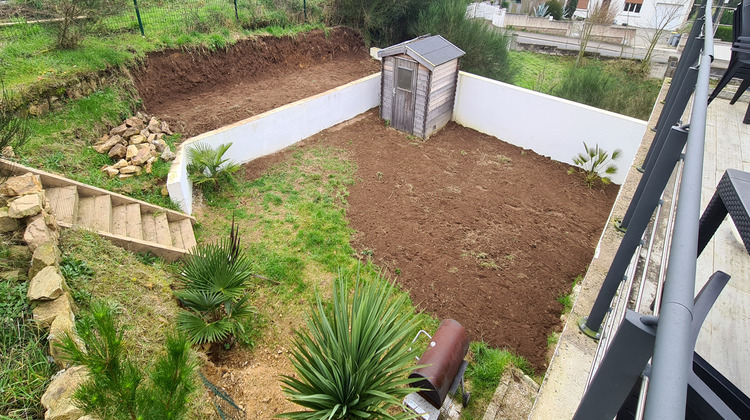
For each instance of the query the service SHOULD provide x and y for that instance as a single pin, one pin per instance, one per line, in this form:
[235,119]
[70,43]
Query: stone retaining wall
[25,207]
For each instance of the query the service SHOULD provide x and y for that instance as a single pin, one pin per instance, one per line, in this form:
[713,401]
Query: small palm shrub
[353,361]
[207,166]
[212,287]
[595,164]
[118,389]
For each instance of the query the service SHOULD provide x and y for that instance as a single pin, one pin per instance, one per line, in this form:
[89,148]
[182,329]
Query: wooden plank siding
[421,92]
[441,97]
[386,90]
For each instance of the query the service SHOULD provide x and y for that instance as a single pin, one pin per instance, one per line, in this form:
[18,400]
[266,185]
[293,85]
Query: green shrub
[588,84]
[118,389]
[212,286]
[381,22]
[724,33]
[595,164]
[208,168]
[555,9]
[486,47]
[353,360]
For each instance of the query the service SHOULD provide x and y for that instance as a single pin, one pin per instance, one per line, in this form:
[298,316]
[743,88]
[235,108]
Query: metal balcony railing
[644,366]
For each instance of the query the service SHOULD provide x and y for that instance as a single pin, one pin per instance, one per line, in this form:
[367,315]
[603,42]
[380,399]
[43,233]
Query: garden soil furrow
[200,91]
[475,229]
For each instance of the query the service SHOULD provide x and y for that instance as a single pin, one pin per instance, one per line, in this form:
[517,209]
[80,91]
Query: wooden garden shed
[418,84]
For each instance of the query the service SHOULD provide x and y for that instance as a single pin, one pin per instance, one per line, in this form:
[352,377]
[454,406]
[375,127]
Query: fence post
[236,14]
[138,15]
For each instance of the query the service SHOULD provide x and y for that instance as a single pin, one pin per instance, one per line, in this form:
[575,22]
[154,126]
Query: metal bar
[236,13]
[656,183]
[619,371]
[673,350]
[138,15]
[681,101]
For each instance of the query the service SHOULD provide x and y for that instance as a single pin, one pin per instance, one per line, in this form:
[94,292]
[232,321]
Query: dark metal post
[620,369]
[304,7]
[236,14]
[673,116]
[655,184]
[138,15]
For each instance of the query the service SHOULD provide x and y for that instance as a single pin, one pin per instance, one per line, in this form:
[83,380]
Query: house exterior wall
[653,14]
[442,93]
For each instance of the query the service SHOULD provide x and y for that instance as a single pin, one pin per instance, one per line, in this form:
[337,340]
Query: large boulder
[37,232]
[154,126]
[47,284]
[134,122]
[107,144]
[45,255]
[27,183]
[144,153]
[117,151]
[63,323]
[7,223]
[119,130]
[58,399]
[26,205]
[45,312]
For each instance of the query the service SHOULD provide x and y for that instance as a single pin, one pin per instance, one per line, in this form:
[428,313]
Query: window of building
[404,79]
[633,7]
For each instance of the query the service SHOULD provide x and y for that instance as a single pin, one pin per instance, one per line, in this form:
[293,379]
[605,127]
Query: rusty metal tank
[443,358]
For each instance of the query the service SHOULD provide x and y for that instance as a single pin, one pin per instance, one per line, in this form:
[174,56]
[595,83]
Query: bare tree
[666,16]
[600,13]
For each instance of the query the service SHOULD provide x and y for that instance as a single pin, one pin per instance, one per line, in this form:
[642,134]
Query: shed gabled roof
[429,50]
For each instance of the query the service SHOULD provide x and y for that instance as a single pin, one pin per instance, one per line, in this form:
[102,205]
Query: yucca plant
[595,164]
[117,388]
[212,286]
[353,362]
[207,166]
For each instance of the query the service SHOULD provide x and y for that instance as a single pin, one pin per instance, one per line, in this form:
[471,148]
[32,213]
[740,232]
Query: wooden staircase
[132,224]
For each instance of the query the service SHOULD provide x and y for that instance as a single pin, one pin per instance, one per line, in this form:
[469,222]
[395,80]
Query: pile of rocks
[25,207]
[135,144]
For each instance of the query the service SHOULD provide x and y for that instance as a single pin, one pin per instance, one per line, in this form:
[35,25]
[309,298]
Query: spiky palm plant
[212,286]
[207,166]
[353,362]
[595,164]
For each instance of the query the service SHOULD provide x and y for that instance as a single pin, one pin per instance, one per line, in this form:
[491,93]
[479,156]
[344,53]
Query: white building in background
[667,14]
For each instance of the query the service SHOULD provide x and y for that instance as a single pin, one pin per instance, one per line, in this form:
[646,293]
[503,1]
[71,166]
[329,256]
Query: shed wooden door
[403,95]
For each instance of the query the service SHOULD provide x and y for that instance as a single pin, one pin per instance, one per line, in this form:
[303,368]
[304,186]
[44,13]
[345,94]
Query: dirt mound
[197,92]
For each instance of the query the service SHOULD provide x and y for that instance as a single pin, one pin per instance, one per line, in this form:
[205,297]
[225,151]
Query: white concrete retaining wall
[277,129]
[548,125]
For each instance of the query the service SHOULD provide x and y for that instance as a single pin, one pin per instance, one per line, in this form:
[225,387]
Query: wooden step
[188,236]
[133,224]
[118,220]
[149,227]
[95,213]
[163,237]
[64,202]
[176,233]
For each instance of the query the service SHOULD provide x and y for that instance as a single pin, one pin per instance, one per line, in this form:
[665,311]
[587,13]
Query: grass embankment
[31,62]
[61,143]
[615,85]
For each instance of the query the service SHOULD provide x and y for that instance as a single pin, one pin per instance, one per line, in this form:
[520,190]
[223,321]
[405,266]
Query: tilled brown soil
[475,229]
[198,92]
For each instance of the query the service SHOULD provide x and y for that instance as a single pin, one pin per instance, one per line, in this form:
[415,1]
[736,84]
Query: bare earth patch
[197,92]
[475,229]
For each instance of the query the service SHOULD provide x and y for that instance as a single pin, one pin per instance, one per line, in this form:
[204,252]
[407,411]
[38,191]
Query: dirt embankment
[198,92]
